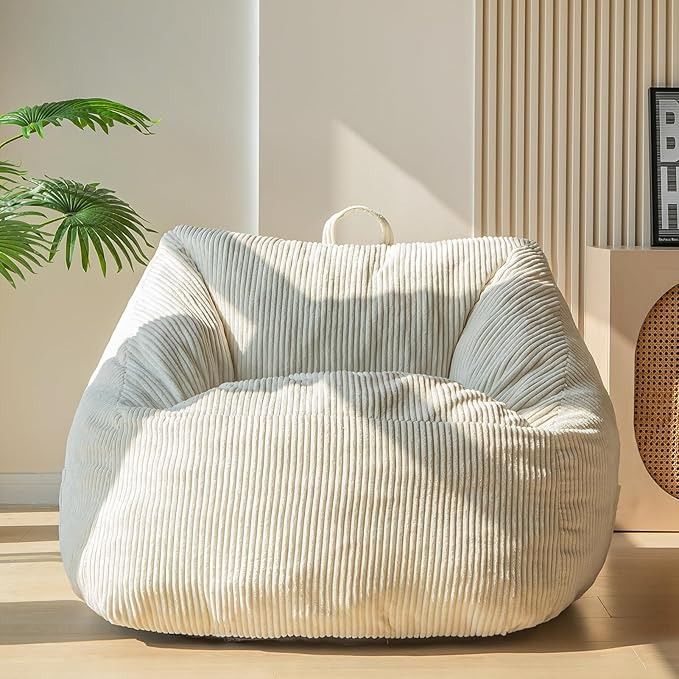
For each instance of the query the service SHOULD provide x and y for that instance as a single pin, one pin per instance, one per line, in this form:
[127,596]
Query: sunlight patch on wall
[361,174]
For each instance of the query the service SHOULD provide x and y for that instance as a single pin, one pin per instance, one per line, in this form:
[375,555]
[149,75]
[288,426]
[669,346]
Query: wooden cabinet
[620,287]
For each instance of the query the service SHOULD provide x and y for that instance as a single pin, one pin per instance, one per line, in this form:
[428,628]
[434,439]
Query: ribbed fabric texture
[296,439]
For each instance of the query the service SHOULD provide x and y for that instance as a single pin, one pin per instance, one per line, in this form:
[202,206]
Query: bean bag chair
[292,439]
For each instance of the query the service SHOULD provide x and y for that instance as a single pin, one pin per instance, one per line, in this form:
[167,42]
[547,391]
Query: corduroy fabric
[297,439]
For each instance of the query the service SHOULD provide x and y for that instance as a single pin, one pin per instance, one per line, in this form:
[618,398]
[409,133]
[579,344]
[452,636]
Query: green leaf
[96,242]
[71,236]
[92,113]
[21,246]
[9,174]
[91,215]
[84,248]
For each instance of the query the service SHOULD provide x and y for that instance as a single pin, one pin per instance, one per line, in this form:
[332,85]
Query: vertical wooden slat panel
[659,42]
[558,223]
[563,103]
[602,106]
[491,76]
[629,126]
[670,10]
[573,158]
[615,130]
[546,143]
[480,106]
[673,42]
[645,75]
[504,118]
[587,119]
[518,118]
[531,189]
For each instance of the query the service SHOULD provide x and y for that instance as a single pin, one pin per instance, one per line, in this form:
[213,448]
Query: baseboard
[29,489]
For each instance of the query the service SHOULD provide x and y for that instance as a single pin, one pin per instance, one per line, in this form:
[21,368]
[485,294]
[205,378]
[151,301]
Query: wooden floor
[627,625]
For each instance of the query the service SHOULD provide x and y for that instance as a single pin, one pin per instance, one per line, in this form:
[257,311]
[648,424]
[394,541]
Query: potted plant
[39,217]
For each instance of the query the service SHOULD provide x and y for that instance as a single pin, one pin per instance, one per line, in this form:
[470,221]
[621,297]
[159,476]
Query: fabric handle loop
[329,228]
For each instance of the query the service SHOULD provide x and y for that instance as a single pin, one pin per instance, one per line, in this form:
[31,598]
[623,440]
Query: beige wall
[562,105]
[192,65]
[452,117]
[367,102]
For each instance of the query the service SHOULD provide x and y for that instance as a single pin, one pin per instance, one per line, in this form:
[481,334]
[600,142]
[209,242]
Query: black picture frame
[664,225]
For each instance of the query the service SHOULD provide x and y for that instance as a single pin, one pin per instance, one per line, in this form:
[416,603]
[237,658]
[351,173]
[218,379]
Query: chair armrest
[169,344]
[521,347]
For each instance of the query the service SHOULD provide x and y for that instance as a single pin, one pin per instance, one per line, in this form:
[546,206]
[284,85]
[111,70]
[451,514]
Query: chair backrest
[294,307]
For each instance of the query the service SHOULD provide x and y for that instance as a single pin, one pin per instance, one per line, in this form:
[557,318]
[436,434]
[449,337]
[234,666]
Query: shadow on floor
[638,591]
[28,557]
[32,622]
[35,533]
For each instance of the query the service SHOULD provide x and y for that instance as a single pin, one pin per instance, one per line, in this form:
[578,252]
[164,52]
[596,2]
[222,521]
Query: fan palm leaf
[92,216]
[22,246]
[92,113]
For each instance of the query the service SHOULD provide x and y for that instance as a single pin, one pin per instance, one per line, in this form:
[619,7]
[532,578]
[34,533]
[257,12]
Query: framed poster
[664,166]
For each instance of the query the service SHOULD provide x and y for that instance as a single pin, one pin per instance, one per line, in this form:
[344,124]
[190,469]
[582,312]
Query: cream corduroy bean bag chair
[319,440]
